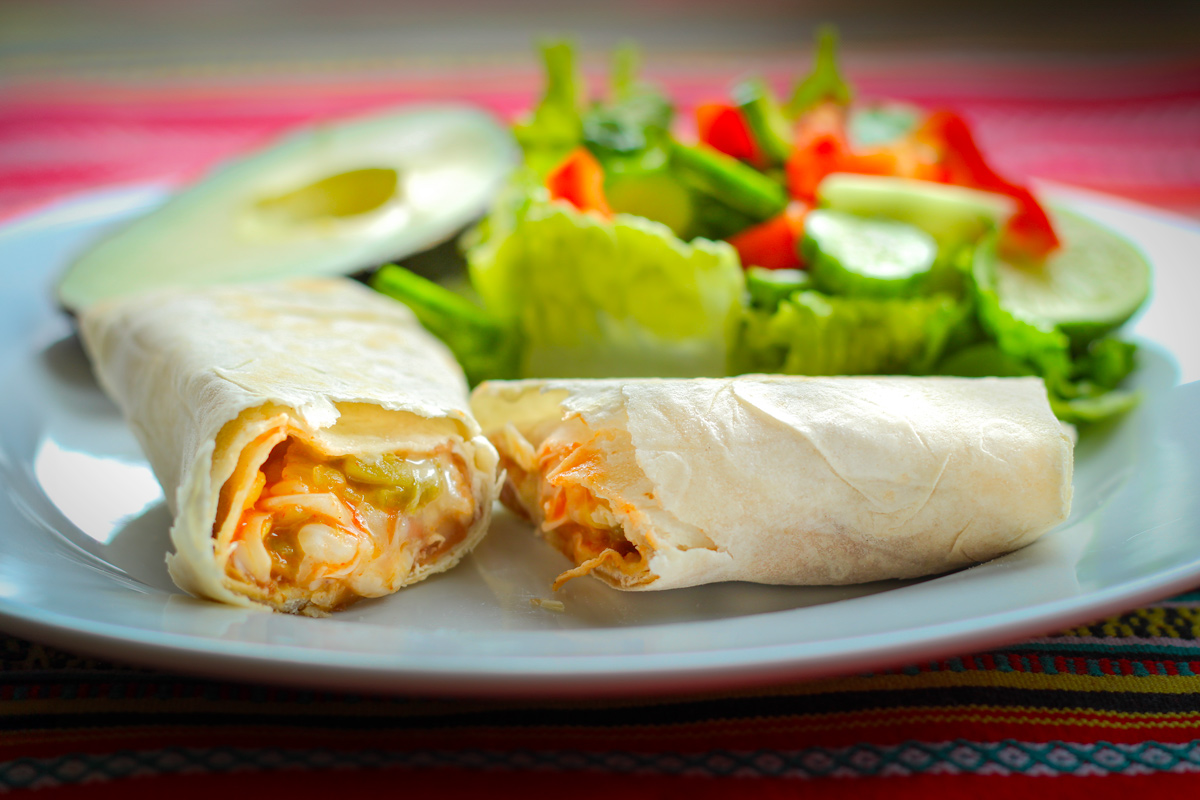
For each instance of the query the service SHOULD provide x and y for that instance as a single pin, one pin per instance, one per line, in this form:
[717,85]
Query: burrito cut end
[305,526]
[655,484]
[315,443]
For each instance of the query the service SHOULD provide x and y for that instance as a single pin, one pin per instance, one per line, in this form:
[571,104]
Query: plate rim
[528,676]
[532,675]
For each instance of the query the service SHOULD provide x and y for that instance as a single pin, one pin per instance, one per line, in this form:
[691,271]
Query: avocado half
[328,200]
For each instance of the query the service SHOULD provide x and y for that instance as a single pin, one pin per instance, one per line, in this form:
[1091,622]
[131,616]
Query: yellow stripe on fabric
[1146,684]
[1155,622]
[822,723]
[902,717]
[1018,715]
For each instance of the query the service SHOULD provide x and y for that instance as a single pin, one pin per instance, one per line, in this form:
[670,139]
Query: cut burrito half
[314,443]
[657,484]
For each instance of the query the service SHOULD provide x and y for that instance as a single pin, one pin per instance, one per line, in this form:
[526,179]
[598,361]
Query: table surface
[121,93]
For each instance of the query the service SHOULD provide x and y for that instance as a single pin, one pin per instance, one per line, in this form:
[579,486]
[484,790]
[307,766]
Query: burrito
[314,443]
[658,484]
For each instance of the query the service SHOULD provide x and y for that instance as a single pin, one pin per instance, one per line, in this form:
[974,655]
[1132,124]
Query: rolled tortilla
[314,443]
[657,484]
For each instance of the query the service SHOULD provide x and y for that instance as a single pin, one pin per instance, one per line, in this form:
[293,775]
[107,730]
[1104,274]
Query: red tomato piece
[1030,231]
[775,243]
[723,128]
[579,180]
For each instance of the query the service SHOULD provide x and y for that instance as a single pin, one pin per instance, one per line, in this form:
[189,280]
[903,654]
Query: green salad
[808,234]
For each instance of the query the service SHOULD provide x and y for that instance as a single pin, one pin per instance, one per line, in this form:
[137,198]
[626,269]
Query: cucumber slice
[767,287]
[863,257]
[1089,286]
[953,215]
[770,128]
[738,186]
[656,195]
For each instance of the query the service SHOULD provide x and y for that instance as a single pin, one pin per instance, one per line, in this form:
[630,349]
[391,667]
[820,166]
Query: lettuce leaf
[628,131]
[1081,387]
[1035,342]
[555,127]
[1097,408]
[983,360]
[811,333]
[1106,362]
[825,82]
[1091,398]
[590,297]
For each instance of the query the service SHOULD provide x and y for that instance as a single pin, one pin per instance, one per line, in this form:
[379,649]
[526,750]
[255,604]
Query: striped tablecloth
[1118,698]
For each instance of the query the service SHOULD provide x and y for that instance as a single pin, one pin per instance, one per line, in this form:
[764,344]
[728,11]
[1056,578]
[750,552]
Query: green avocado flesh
[329,200]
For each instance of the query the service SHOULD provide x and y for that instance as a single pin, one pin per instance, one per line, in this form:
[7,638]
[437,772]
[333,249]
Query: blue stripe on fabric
[1008,756]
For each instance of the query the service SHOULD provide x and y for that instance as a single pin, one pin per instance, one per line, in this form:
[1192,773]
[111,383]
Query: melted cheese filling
[544,485]
[313,533]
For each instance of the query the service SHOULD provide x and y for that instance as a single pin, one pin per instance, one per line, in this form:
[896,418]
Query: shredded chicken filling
[579,524]
[328,530]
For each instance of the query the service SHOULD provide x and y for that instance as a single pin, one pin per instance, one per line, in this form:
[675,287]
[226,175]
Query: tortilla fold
[314,443]
[658,484]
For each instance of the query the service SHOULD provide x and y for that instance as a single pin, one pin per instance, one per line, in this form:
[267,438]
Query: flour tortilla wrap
[314,443]
[657,484]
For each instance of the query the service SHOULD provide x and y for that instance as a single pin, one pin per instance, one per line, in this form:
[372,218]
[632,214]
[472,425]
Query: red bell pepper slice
[1030,231]
[822,147]
[775,243]
[916,159]
[579,180]
[871,162]
[723,128]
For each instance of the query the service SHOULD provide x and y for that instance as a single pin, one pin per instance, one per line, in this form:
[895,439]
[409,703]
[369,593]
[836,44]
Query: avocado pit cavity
[344,194]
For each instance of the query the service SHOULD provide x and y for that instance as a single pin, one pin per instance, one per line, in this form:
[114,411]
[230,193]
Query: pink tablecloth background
[1127,128]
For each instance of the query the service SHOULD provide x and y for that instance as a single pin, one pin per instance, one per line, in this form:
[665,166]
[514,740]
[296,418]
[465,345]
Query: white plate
[83,532]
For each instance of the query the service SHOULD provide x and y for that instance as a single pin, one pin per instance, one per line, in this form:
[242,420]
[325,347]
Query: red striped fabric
[1132,130]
